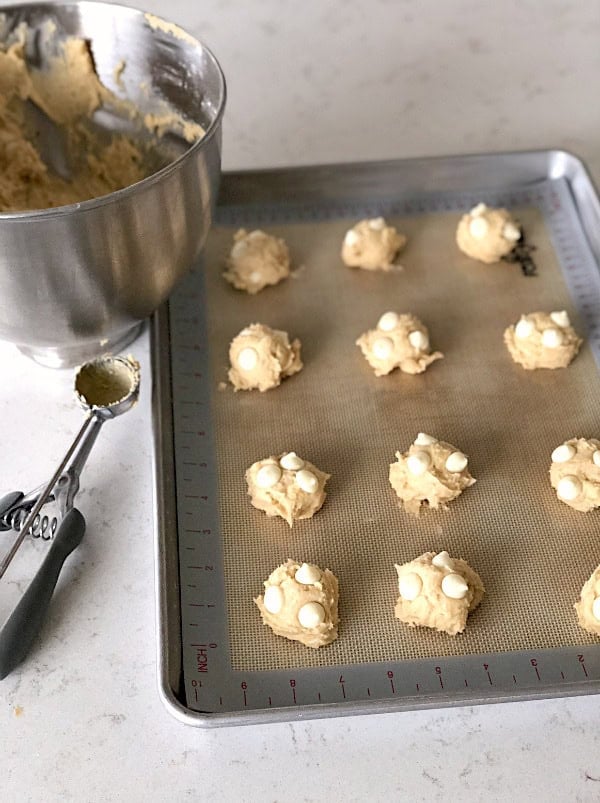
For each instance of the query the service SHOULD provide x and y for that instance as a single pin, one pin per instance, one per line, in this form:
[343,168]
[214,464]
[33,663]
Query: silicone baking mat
[532,551]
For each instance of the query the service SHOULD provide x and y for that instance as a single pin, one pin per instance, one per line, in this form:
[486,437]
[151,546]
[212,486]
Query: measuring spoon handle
[25,622]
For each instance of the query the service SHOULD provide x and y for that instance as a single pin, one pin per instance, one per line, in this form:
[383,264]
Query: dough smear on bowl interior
[575,473]
[286,485]
[64,86]
[543,340]
[487,234]
[256,261]
[300,603]
[372,245]
[430,471]
[260,357]
[588,605]
[399,341]
[437,591]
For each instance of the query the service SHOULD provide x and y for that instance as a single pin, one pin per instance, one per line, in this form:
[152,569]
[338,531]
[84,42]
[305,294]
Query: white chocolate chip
[552,338]
[478,210]
[456,462]
[410,586]
[596,608]
[455,586]
[569,488]
[268,475]
[418,463]
[388,321]
[479,228]
[418,340]
[560,318]
[511,232]
[443,561]
[423,439]
[255,277]
[524,329]
[239,248]
[377,224]
[596,458]
[247,359]
[563,453]
[307,481]
[273,599]
[383,347]
[311,615]
[308,574]
[291,461]
[352,237]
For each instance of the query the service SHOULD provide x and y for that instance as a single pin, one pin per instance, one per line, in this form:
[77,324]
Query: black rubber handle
[25,622]
[9,501]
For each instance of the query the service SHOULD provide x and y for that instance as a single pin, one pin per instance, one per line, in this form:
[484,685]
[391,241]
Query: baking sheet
[532,551]
[218,665]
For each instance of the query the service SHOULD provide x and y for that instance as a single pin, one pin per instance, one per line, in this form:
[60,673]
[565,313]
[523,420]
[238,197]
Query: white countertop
[308,82]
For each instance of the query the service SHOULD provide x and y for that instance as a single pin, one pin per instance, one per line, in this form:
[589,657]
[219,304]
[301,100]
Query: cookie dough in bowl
[260,357]
[107,174]
[543,340]
[575,473]
[300,603]
[437,591]
[487,234]
[286,485]
[399,341]
[372,245]
[256,261]
[430,471]
[588,606]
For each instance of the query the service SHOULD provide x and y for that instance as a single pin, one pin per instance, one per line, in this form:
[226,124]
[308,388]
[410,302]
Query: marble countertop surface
[308,83]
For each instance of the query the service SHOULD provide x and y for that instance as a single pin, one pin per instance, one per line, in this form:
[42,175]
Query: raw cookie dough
[437,591]
[588,606]
[430,471]
[372,245]
[542,340]
[256,261]
[300,602]
[399,341]
[261,357]
[487,234]
[575,473]
[286,486]
[68,91]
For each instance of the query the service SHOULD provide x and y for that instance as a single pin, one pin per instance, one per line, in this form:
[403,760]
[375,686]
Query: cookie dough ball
[300,602]
[487,234]
[256,261]
[430,471]
[399,341]
[575,473]
[542,340]
[286,486]
[372,245]
[588,607]
[261,357]
[437,591]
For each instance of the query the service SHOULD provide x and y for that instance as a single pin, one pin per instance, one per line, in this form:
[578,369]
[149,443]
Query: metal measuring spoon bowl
[108,386]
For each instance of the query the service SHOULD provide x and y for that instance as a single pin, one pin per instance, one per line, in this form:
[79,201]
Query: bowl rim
[153,178]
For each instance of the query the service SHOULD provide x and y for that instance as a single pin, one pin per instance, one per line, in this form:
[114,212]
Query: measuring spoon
[106,388]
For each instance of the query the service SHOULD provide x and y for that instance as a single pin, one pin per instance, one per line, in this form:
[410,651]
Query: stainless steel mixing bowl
[77,281]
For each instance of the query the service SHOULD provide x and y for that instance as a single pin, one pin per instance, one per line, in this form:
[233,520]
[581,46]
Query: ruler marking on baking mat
[211,685]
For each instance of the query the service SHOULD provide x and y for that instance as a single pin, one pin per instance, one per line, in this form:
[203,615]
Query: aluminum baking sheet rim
[528,166]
